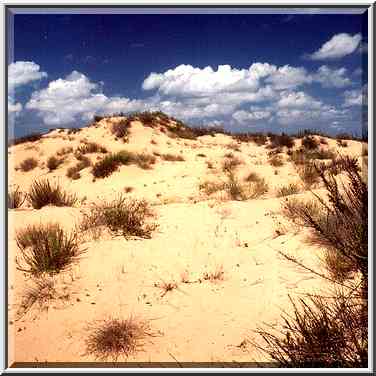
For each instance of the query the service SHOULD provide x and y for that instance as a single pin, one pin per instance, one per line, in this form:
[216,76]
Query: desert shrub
[276,161]
[74,130]
[260,139]
[309,174]
[256,189]
[331,332]
[234,188]
[252,177]
[42,193]
[15,198]
[46,248]
[321,333]
[230,163]
[127,217]
[64,151]
[28,164]
[28,138]
[74,172]
[210,187]
[288,190]
[53,163]
[310,143]
[147,118]
[340,164]
[98,118]
[121,129]
[281,140]
[91,147]
[217,275]
[112,338]
[172,157]
[321,154]
[342,143]
[111,162]
[233,146]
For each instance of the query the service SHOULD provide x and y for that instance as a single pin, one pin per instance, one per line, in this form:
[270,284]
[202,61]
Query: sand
[200,320]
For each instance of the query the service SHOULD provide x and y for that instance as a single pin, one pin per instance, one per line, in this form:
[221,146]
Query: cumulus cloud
[14,108]
[355,97]
[22,73]
[332,77]
[338,46]
[249,117]
[75,96]
[287,77]
[299,100]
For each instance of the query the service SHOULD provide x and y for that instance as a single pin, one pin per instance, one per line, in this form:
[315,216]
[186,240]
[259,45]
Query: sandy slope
[200,321]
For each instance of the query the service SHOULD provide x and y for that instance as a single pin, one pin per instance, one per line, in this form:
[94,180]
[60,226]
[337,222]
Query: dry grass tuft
[215,276]
[53,163]
[15,198]
[112,338]
[28,164]
[288,190]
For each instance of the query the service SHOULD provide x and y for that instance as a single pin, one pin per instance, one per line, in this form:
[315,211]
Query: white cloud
[338,46]
[298,100]
[332,77]
[75,96]
[287,77]
[14,108]
[355,97]
[22,73]
[245,117]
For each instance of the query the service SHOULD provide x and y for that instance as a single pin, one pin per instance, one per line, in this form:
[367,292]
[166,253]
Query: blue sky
[246,72]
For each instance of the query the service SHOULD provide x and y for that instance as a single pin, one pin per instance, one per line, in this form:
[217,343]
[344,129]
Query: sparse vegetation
[53,163]
[64,151]
[46,248]
[217,275]
[172,157]
[230,163]
[15,198]
[28,164]
[331,331]
[342,143]
[111,162]
[288,190]
[91,147]
[277,141]
[74,172]
[276,161]
[42,193]
[127,217]
[28,138]
[112,338]
[310,143]
[309,174]
[121,128]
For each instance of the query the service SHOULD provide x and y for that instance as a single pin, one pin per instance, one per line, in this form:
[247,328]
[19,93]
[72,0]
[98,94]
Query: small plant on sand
[310,143]
[215,276]
[28,164]
[276,161]
[64,151]
[121,129]
[53,163]
[112,338]
[166,287]
[281,140]
[46,248]
[255,189]
[210,187]
[288,190]
[172,157]
[127,217]
[230,163]
[42,193]
[252,177]
[91,147]
[309,174]
[342,143]
[74,172]
[15,198]
[330,331]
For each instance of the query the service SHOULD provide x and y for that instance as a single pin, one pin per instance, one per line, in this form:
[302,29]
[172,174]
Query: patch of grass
[342,143]
[112,338]
[172,157]
[28,164]
[277,141]
[15,198]
[46,248]
[64,151]
[166,287]
[110,163]
[230,163]
[74,172]
[121,129]
[53,163]
[288,190]
[309,174]
[91,147]
[215,276]
[256,189]
[310,143]
[276,161]
[211,187]
[252,177]
[127,217]
[42,193]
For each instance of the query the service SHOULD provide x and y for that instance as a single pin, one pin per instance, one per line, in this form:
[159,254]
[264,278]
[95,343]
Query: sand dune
[202,320]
